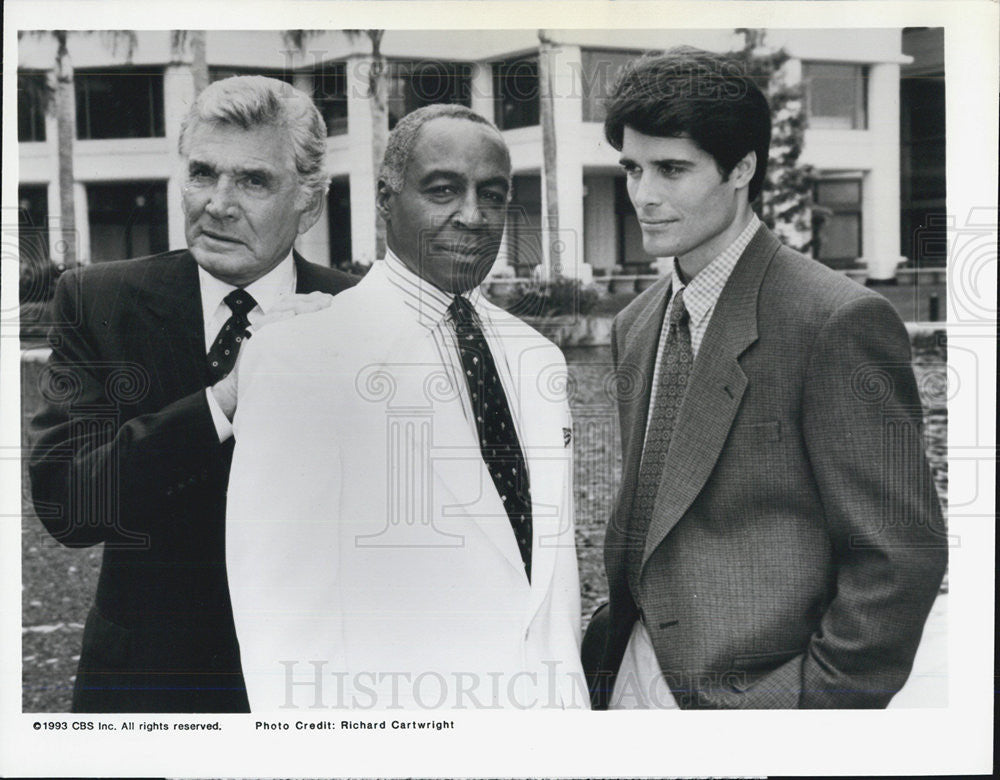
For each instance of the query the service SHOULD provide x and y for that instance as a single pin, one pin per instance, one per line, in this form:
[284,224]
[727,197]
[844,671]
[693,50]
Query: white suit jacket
[370,560]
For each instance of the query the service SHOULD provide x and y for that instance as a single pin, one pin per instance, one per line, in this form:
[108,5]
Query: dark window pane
[338,214]
[515,93]
[119,104]
[330,95]
[835,95]
[413,85]
[836,193]
[837,222]
[840,237]
[32,99]
[600,71]
[127,219]
[33,242]
[524,219]
[217,73]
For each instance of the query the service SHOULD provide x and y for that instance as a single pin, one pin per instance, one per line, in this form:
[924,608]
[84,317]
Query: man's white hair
[252,101]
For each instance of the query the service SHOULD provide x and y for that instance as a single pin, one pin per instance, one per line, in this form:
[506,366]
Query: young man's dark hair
[692,93]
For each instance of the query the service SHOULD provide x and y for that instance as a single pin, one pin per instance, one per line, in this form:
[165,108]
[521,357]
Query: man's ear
[314,208]
[382,197]
[744,170]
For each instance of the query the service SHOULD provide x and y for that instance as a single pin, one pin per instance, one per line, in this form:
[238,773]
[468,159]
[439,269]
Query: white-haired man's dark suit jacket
[796,543]
[124,452]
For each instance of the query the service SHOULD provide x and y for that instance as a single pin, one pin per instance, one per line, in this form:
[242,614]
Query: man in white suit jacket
[371,560]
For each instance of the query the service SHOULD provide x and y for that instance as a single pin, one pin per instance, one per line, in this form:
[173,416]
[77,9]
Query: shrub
[550,298]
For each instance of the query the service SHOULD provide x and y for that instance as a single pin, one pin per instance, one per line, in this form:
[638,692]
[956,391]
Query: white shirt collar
[430,303]
[702,292]
[265,290]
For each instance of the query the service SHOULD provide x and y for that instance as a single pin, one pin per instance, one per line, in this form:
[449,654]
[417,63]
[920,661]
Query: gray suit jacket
[797,543]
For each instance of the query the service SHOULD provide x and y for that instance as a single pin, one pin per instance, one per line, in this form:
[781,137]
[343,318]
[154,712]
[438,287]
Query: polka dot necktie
[676,360]
[222,355]
[498,440]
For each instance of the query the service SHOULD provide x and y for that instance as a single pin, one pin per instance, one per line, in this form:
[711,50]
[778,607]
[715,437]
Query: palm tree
[65,112]
[546,110]
[378,90]
[195,39]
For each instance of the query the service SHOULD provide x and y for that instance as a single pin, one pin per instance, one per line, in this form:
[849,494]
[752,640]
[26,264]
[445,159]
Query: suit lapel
[714,391]
[635,371]
[170,298]
[306,280]
[546,455]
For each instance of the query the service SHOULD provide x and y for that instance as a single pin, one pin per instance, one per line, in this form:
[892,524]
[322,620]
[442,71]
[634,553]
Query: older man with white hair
[133,443]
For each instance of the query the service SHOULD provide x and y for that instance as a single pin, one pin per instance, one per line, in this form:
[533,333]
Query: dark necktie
[498,441]
[676,360]
[222,355]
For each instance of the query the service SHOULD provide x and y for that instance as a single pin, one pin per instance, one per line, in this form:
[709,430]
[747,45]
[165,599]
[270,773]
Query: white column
[567,90]
[482,90]
[361,167]
[178,96]
[82,215]
[881,192]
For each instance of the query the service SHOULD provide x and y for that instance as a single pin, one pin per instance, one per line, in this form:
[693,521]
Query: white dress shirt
[640,683]
[280,280]
[431,305]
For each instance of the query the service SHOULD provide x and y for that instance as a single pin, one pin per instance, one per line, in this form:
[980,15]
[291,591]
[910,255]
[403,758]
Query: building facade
[880,182]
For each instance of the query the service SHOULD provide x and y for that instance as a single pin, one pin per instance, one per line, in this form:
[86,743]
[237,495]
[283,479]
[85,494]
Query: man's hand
[286,306]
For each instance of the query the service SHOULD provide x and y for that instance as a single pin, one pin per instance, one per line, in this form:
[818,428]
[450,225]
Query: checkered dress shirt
[700,297]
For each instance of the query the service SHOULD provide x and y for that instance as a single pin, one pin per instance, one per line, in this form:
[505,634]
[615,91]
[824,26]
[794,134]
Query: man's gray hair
[252,101]
[403,137]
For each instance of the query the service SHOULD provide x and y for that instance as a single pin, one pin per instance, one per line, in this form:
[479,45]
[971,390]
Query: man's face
[242,200]
[446,222]
[683,203]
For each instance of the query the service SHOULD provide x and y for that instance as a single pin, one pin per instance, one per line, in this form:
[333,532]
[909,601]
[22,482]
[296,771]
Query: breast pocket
[763,432]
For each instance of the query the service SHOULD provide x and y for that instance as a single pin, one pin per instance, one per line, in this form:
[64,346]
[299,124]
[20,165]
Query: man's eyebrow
[442,173]
[266,172]
[496,180]
[263,172]
[669,162]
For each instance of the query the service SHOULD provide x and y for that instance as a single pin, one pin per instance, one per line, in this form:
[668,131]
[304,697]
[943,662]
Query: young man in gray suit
[777,541]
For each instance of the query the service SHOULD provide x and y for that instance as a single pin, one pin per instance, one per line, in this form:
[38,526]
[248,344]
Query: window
[33,242]
[923,190]
[32,100]
[515,93]
[338,215]
[217,73]
[330,96]
[836,95]
[524,220]
[837,223]
[119,104]
[127,219]
[413,85]
[600,71]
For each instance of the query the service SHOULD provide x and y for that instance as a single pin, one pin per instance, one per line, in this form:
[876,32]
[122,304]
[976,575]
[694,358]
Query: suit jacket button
[170,491]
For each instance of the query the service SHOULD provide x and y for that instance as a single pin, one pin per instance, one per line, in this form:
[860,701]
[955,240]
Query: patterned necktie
[222,355]
[498,440]
[676,360]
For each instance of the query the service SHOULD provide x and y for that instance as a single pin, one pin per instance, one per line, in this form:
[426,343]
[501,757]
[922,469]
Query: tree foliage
[786,204]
